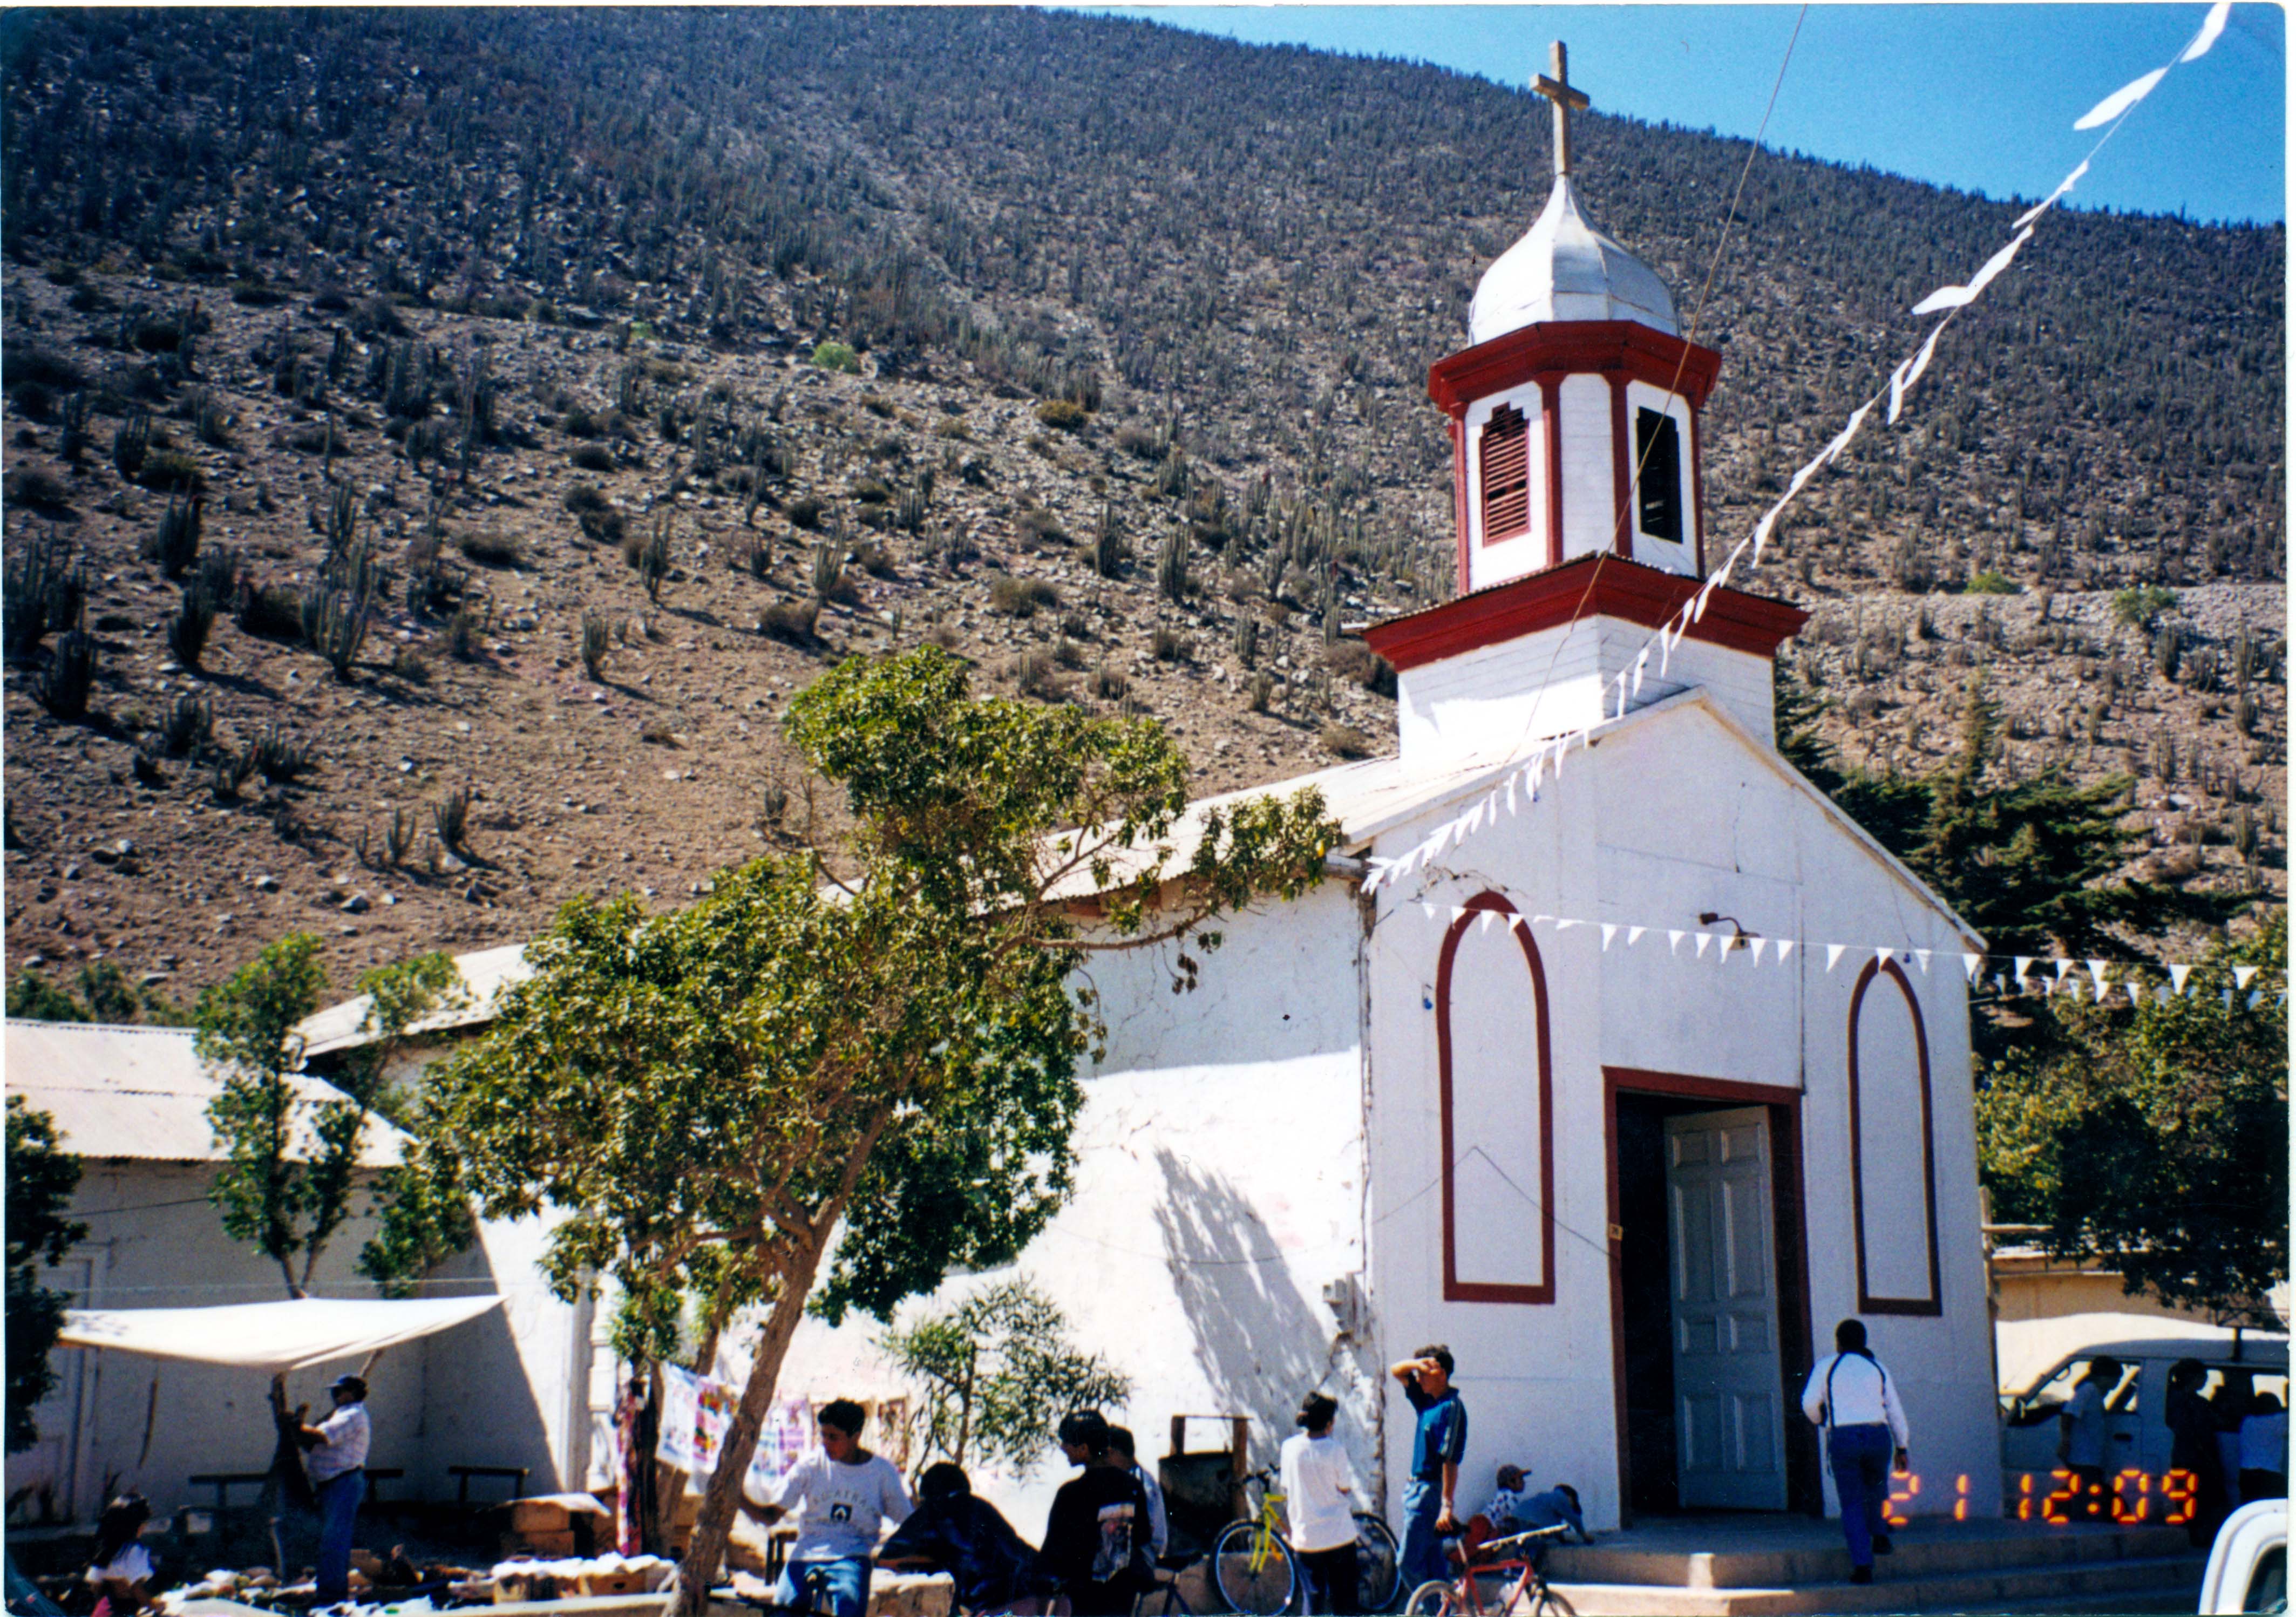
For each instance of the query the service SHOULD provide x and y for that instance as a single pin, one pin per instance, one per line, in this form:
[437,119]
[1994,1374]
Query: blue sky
[1983,97]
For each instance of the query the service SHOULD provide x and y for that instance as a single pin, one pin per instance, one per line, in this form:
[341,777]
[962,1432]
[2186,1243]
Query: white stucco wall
[1590,493]
[1488,563]
[1495,702]
[1659,823]
[1220,1187]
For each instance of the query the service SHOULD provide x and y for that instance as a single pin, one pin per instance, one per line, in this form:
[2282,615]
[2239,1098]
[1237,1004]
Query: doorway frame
[1789,1259]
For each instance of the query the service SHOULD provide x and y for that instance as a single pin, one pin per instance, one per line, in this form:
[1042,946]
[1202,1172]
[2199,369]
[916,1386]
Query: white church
[1573,1096]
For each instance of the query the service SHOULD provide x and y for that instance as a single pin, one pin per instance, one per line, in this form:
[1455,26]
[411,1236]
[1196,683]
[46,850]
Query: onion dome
[1565,270]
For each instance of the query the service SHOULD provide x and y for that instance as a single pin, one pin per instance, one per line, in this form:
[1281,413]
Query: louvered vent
[1505,456]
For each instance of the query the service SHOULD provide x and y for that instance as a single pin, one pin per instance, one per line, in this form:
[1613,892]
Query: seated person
[954,1532]
[1510,1511]
[2264,1450]
[842,1494]
[120,1570]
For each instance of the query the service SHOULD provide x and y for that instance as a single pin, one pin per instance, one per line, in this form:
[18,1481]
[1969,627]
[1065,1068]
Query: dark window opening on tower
[1658,451]
[1505,457]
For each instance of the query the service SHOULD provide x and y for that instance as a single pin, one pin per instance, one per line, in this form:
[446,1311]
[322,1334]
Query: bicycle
[1257,1571]
[1502,1559]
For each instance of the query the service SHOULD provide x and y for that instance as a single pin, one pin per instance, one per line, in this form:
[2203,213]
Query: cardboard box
[542,1546]
[539,1516]
[622,1582]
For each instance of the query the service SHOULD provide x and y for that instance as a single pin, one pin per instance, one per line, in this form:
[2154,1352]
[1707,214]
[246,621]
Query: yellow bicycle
[1256,1571]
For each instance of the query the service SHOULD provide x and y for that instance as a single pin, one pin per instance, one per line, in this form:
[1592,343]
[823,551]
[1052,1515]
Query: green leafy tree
[41,1178]
[2155,1138]
[996,1373]
[882,1044]
[104,994]
[285,1185]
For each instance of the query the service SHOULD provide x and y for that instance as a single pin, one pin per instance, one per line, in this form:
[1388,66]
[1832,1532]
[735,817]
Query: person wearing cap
[336,1463]
[1319,1497]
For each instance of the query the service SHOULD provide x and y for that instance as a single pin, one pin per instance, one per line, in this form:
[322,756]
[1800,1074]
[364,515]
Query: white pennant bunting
[1969,964]
[1673,941]
[1459,912]
[1635,935]
[1609,932]
[2135,992]
[1902,381]
[2218,14]
[1959,297]
[1510,792]
[1429,908]
[1485,923]
[1756,946]
[1785,947]
[2255,999]
[1642,660]
[2048,201]
[1518,923]
[1703,939]
[2024,965]
[2177,978]
[2096,970]
[1921,959]
[2062,966]
[1833,952]
[2113,105]
[2241,975]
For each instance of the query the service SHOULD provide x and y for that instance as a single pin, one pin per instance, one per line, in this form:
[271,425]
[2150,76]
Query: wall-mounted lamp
[1738,935]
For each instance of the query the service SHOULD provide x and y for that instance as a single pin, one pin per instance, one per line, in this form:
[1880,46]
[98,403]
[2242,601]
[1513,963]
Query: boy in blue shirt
[1439,1443]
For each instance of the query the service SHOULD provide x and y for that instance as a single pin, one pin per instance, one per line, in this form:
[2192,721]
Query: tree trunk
[707,1551]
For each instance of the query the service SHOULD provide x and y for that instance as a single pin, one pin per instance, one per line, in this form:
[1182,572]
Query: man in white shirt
[336,1463]
[2081,1437]
[1318,1497]
[843,1496]
[1854,1401]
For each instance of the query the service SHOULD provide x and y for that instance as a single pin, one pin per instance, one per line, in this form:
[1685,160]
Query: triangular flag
[1535,919]
[1635,935]
[1902,382]
[2048,201]
[1703,939]
[1921,959]
[2241,975]
[1485,925]
[2113,105]
[2062,967]
[2176,976]
[1881,956]
[2255,999]
[2096,970]
[2226,998]
[1642,660]
[2164,994]
[1958,297]
[1833,952]
[1757,947]
[1785,947]
[2024,963]
[1518,923]
[1673,941]
[2209,29]
[1510,792]
[2135,992]
[1459,912]
[1969,964]
[1429,908]
[1564,925]
[1609,932]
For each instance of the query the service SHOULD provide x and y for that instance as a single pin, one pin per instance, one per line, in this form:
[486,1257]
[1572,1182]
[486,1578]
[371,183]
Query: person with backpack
[1096,1536]
[1854,1401]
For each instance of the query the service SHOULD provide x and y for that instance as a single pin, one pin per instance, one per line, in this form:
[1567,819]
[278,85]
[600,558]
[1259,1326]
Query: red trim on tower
[1455,1290]
[1622,471]
[1550,415]
[1867,1303]
[1698,488]
[1641,352]
[1632,590]
[1459,495]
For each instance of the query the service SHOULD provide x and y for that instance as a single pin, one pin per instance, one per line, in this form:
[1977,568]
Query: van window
[2243,1383]
[2053,1394]
[2267,1585]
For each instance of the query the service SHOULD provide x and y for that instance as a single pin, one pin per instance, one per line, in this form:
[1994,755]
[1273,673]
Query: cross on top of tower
[1558,90]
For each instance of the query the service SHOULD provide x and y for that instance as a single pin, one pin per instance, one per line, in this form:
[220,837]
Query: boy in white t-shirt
[1319,1498]
[843,1496]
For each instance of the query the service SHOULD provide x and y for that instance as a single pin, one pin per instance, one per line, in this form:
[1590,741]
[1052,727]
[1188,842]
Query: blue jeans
[844,1586]
[1861,1477]
[1422,1555]
[339,1499]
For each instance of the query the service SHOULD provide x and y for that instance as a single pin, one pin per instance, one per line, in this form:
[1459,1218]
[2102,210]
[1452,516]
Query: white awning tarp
[293,1334]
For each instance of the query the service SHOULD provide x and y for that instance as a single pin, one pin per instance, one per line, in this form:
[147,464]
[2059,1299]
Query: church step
[2144,1584]
[1815,1554]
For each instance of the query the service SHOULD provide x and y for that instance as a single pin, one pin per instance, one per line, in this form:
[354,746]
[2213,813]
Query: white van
[2036,1488]
[2248,1568]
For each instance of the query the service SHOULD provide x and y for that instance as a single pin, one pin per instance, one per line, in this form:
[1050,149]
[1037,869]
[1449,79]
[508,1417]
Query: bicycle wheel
[1255,1575]
[1432,1598]
[1548,1604]
[1378,1569]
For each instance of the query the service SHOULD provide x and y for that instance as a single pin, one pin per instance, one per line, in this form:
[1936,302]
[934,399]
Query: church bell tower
[1574,414]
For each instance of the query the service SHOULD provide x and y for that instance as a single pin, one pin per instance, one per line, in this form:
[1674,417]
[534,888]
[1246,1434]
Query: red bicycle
[1500,1559]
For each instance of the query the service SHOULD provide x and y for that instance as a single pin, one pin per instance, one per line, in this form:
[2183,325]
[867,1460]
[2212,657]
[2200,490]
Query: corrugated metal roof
[143,1092]
[485,973]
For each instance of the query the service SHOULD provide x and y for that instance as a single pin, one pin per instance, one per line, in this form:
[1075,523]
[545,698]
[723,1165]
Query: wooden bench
[515,1475]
